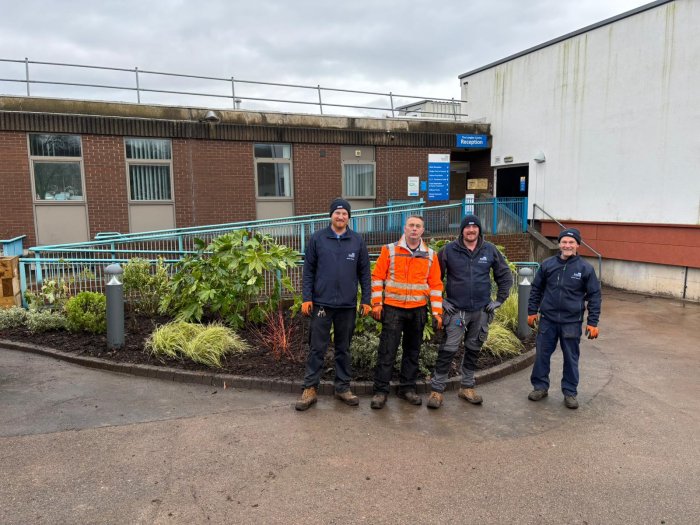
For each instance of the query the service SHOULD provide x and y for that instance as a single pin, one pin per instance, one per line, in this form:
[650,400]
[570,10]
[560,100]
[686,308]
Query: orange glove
[438,319]
[365,309]
[531,319]
[306,308]
[592,331]
[377,312]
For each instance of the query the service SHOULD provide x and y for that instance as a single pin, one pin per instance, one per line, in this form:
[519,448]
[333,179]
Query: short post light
[115,305]
[524,285]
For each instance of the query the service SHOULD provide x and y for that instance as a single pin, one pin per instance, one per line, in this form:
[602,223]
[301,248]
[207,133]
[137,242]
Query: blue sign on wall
[472,141]
[438,177]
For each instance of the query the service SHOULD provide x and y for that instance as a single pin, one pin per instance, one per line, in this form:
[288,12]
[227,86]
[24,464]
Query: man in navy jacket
[467,263]
[335,260]
[565,287]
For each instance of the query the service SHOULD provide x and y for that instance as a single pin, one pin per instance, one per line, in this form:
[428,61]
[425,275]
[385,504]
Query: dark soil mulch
[258,362]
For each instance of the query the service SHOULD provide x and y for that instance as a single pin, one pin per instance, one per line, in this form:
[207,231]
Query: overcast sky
[414,47]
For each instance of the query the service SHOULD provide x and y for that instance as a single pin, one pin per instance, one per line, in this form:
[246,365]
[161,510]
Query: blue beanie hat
[570,232]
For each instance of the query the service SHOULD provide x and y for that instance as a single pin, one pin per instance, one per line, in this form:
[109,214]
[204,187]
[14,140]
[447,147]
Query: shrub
[227,278]
[502,342]
[277,335]
[199,343]
[44,321]
[87,312]
[14,317]
[363,350]
[53,295]
[145,285]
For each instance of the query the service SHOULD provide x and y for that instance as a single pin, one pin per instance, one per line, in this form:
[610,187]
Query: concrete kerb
[255,383]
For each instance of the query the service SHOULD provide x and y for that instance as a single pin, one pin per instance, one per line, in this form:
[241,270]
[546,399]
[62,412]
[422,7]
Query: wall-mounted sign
[413,186]
[478,184]
[523,183]
[438,177]
[507,159]
[472,141]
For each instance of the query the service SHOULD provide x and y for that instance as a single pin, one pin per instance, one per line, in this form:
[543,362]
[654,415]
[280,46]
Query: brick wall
[16,208]
[395,164]
[317,177]
[516,246]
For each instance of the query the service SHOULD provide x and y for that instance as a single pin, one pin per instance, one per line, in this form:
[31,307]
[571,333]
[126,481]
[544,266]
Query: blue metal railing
[12,247]
[82,263]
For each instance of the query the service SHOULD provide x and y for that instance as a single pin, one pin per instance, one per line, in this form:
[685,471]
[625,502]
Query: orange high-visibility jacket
[407,279]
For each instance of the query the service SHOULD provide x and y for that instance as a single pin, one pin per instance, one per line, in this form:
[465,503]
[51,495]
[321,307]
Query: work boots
[537,394]
[570,401]
[470,395]
[411,397]
[348,398]
[435,400]
[378,400]
[308,398]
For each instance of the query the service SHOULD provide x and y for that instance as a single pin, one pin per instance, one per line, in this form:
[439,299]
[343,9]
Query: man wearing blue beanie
[565,287]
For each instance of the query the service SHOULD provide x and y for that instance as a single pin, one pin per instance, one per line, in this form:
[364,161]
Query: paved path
[84,446]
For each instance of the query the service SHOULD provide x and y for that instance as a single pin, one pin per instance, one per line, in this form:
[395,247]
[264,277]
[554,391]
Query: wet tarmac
[84,446]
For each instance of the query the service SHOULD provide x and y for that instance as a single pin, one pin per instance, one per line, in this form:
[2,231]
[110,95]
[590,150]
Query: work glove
[365,309]
[491,307]
[448,307]
[531,320]
[438,321]
[306,308]
[592,331]
[377,312]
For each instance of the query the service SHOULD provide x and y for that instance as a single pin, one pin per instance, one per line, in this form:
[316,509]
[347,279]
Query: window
[149,162]
[273,170]
[358,172]
[56,162]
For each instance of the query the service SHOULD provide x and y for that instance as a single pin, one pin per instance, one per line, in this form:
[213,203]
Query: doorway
[512,181]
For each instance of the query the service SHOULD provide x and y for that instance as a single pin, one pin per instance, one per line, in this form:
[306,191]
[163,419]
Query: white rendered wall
[616,112]
[654,279]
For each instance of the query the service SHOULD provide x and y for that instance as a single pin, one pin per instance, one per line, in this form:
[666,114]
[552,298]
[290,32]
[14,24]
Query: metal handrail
[535,206]
[234,97]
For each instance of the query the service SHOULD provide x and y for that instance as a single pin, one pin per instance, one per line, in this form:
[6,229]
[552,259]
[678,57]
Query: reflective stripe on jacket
[407,279]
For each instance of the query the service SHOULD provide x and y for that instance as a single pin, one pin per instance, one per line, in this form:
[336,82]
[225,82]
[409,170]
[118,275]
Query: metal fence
[231,92]
[81,265]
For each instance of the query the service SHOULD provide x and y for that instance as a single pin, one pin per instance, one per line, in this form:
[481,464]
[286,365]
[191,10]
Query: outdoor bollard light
[524,286]
[115,306]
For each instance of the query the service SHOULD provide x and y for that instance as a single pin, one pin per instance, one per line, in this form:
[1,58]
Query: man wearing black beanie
[564,287]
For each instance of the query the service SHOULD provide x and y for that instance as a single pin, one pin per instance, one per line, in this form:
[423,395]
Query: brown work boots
[435,400]
[470,395]
[308,397]
[348,398]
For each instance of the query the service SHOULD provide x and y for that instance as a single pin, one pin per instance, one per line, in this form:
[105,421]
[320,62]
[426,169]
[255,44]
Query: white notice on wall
[413,185]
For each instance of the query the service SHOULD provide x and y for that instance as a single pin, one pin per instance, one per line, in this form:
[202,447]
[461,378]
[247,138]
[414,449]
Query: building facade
[600,129]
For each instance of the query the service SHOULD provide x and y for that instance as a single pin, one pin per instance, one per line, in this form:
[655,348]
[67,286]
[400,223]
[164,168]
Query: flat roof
[578,32]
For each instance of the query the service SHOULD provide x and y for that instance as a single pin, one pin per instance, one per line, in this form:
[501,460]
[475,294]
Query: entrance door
[512,181]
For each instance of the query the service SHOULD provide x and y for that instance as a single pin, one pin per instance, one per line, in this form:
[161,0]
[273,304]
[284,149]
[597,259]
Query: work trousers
[343,322]
[474,327]
[568,335]
[396,322]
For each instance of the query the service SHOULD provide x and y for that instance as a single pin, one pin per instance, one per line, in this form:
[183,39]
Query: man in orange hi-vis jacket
[405,280]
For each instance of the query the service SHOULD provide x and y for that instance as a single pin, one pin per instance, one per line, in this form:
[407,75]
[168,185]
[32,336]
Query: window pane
[59,181]
[274,180]
[154,149]
[359,180]
[273,151]
[149,183]
[54,145]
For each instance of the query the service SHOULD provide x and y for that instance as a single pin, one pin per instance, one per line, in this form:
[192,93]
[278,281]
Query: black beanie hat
[338,204]
[570,232]
[469,219]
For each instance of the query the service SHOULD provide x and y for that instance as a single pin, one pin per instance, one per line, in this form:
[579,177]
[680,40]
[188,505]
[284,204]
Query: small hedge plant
[14,317]
[87,312]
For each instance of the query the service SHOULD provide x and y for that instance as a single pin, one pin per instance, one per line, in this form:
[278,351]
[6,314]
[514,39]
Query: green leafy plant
[53,295]
[228,277]
[145,284]
[206,344]
[14,317]
[363,350]
[87,312]
[44,321]
[507,314]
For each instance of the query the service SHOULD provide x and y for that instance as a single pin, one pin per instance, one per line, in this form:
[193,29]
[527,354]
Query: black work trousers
[396,322]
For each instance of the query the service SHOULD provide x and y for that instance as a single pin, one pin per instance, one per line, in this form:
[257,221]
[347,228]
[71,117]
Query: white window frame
[345,163]
[271,160]
[48,159]
[149,162]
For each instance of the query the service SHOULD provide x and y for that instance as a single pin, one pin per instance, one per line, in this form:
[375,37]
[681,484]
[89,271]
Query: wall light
[539,157]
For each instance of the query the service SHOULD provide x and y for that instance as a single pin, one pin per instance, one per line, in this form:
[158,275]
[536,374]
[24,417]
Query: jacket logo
[483,259]
[576,275]
[350,257]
